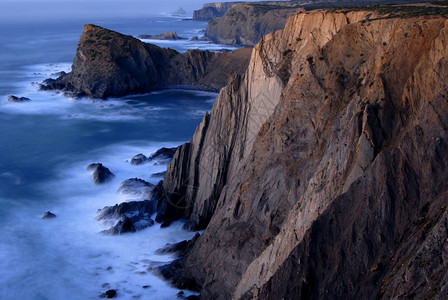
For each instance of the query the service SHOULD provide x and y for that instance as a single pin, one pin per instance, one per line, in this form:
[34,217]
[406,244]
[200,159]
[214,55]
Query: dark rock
[108,64]
[136,187]
[130,209]
[195,38]
[123,225]
[160,174]
[59,74]
[193,297]
[127,216]
[100,174]
[48,215]
[138,159]
[169,36]
[111,293]
[163,154]
[180,248]
[12,98]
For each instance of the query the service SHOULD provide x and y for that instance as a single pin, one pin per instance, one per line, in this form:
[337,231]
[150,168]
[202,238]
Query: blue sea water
[45,146]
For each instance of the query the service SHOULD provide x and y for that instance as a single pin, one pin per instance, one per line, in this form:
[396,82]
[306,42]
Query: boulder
[48,215]
[163,154]
[109,294]
[136,187]
[127,216]
[100,174]
[15,99]
[138,159]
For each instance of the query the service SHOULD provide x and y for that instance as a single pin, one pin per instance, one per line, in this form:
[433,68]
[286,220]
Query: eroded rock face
[108,64]
[321,172]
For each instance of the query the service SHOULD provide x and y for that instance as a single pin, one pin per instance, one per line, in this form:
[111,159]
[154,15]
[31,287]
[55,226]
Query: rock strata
[321,172]
[110,64]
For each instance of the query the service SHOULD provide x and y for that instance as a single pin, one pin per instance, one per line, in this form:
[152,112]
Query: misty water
[45,146]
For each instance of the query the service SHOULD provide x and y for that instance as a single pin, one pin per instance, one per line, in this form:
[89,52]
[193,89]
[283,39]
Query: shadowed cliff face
[109,64]
[321,172]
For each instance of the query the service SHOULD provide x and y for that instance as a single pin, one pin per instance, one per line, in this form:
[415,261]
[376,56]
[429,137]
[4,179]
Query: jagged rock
[100,174]
[136,187]
[127,216]
[321,172]
[138,159]
[160,174]
[12,98]
[163,154]
[179,248]
[170,36]
[108,64]
[48,215]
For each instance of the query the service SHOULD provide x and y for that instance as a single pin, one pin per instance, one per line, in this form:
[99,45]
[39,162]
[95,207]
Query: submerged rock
[109,294]
[12,98]
[138,159]
[48,215]
[100,174]
[163,154]
[136,187]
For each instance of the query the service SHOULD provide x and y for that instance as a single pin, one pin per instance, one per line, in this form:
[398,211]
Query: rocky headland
[213,10]
[246,23]
[321,172]
[110,64]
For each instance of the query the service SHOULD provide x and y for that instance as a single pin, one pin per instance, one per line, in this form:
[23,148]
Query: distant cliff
[212,10]
[110,64]
[321,172]
[247,23]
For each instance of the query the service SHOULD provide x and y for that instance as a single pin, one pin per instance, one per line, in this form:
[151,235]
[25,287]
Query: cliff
[212,10]
[110,64]
[321,172]
[246,23]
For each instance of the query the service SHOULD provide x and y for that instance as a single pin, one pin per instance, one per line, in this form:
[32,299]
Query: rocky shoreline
[320,172]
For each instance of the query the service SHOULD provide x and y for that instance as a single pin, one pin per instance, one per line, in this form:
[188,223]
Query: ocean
[45,147]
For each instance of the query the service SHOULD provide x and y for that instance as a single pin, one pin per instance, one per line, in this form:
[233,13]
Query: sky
[21,10]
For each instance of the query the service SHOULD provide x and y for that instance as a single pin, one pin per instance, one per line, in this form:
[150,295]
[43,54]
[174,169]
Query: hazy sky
[43,9]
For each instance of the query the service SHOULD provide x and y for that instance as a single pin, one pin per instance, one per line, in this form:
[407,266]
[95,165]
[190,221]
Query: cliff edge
[321,172]
[110,64]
